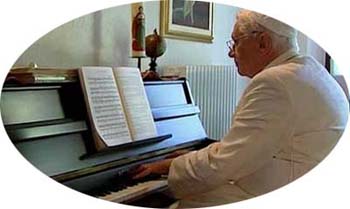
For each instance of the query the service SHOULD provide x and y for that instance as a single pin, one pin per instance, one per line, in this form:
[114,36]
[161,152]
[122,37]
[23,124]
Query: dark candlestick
[139,63]
[153,64]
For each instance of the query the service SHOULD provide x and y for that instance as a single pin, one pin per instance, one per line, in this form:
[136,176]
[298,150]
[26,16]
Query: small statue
[138,34]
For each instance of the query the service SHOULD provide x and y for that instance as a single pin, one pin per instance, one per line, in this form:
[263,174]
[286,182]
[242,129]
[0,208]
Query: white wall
[308,47]
[103,38]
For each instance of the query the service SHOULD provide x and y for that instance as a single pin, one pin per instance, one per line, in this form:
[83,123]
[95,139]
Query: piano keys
[47,122]
[137,190]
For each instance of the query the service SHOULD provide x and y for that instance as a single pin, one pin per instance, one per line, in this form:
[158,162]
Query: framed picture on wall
[187,20]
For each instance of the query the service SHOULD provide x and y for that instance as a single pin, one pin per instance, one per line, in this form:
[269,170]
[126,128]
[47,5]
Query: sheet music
[105,105]
[136,106]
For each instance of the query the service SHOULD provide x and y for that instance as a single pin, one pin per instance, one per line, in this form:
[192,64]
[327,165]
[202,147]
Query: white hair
[283,36]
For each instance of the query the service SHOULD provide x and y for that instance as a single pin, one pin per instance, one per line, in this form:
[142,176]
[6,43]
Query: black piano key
[100,193]
[91,193]
[115,187]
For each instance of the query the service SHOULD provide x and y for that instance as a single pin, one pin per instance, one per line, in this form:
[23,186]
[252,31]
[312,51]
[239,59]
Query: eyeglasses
[231,43]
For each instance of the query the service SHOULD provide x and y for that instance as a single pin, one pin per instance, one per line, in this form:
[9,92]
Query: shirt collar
[283,57]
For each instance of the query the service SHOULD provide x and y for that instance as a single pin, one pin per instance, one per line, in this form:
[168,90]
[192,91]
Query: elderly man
[289,118]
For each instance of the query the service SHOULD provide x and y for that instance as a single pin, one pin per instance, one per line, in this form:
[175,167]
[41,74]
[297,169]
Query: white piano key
[136,190]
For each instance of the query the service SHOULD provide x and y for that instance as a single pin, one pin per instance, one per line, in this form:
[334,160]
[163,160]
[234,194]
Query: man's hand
[178,153]
[159,167]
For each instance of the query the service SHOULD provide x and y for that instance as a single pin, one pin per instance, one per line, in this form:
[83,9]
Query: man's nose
[231,53]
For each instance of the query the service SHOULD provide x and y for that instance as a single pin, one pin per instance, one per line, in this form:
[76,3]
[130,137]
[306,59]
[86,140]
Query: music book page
[104,107]
[136,106]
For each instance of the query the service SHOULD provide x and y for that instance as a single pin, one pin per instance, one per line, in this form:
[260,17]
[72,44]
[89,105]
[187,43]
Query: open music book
[117,105]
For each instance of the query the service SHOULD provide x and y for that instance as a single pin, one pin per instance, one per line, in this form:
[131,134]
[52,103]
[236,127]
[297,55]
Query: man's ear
[265,43]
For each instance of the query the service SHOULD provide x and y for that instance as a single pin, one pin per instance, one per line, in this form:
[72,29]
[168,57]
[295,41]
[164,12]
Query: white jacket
[289,118]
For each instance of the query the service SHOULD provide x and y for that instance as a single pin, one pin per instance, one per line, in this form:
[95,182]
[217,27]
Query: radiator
[213,89]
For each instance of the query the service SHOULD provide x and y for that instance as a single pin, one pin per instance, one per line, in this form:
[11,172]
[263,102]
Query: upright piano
[45,116]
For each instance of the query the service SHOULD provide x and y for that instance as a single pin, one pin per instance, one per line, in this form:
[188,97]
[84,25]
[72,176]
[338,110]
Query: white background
[24,21]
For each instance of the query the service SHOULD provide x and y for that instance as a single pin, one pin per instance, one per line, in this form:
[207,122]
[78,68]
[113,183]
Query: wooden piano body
[47,122]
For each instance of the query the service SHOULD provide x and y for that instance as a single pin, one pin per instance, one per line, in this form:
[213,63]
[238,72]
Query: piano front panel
[53,133]
[26,101]
[183,129]
[166,94]
[62,153]
[56,154]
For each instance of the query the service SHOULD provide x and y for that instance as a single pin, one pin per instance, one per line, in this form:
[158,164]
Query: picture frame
[187,20]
